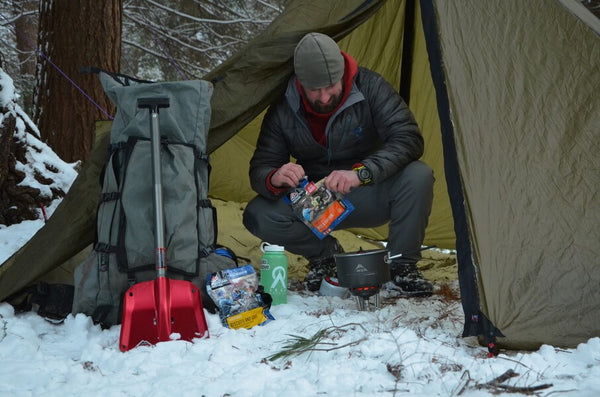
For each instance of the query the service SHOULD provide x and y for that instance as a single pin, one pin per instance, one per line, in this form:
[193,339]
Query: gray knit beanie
[318,61]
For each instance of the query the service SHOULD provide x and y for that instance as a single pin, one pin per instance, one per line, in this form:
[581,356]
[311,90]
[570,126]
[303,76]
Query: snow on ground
[407,347]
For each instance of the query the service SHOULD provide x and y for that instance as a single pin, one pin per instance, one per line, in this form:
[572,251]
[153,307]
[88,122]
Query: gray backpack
[124,252]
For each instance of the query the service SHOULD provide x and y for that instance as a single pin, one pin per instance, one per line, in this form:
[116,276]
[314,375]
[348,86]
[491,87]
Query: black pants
[404,200]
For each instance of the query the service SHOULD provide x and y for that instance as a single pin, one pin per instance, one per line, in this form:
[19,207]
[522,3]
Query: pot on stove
[363,269]
[365,272]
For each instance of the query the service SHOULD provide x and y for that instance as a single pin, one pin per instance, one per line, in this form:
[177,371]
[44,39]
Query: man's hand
[288,175]
[342,181]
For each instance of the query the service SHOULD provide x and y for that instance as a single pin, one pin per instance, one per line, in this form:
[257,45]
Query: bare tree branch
[204,20]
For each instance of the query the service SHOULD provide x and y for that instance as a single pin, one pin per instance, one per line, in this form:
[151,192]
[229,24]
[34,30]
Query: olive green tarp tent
[506,96]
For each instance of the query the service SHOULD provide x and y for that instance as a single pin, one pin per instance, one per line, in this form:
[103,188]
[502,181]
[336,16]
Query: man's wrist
[274,189]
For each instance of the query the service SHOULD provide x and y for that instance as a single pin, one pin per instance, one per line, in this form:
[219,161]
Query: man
[348,125]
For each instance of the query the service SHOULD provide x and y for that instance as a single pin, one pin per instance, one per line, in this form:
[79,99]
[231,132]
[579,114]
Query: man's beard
[327,108]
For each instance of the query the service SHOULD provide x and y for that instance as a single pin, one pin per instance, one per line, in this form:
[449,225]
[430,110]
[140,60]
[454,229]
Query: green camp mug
[273,272]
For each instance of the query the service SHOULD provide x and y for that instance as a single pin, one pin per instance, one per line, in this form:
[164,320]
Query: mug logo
[279,277]
[360,268]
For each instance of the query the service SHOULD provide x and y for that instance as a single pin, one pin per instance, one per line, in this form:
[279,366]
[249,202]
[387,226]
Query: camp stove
[363,295]
[363,273]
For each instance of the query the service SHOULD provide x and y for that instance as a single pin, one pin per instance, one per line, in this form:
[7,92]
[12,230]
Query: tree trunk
[26,26]
[73,35]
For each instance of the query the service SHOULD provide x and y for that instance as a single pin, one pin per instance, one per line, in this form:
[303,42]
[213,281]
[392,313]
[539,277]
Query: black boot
[408,280]
[321,268]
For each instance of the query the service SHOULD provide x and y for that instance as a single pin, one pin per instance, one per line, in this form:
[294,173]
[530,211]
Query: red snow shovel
[161,309]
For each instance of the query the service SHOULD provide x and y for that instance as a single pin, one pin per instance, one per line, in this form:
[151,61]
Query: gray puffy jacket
[373,126]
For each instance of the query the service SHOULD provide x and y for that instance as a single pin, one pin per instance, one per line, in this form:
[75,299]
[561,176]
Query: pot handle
[388,258]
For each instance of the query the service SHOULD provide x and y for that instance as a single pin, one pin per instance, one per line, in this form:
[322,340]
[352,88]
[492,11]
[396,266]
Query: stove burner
[363,294]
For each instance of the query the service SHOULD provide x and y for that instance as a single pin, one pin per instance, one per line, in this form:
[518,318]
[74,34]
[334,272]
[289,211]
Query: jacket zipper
[345,132]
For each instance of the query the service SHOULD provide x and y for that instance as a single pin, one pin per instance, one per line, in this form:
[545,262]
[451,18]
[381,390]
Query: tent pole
[408,43]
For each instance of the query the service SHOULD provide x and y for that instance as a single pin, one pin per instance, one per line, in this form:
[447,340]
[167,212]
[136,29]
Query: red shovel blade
[155,310]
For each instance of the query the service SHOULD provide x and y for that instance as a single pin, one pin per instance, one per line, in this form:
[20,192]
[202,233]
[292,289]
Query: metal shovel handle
[153,104]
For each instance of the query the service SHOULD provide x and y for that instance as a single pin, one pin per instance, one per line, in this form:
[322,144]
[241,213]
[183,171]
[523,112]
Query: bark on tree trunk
[27,26]
[72,36]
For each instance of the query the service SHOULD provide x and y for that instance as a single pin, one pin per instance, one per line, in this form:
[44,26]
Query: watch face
[364,175]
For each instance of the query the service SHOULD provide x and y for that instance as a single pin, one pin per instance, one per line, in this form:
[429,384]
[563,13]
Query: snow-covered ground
[408,346]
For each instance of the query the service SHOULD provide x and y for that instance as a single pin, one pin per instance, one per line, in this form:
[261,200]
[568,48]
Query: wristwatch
[364,174]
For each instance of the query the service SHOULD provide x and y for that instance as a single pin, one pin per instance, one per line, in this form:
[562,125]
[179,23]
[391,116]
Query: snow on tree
[31,174]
